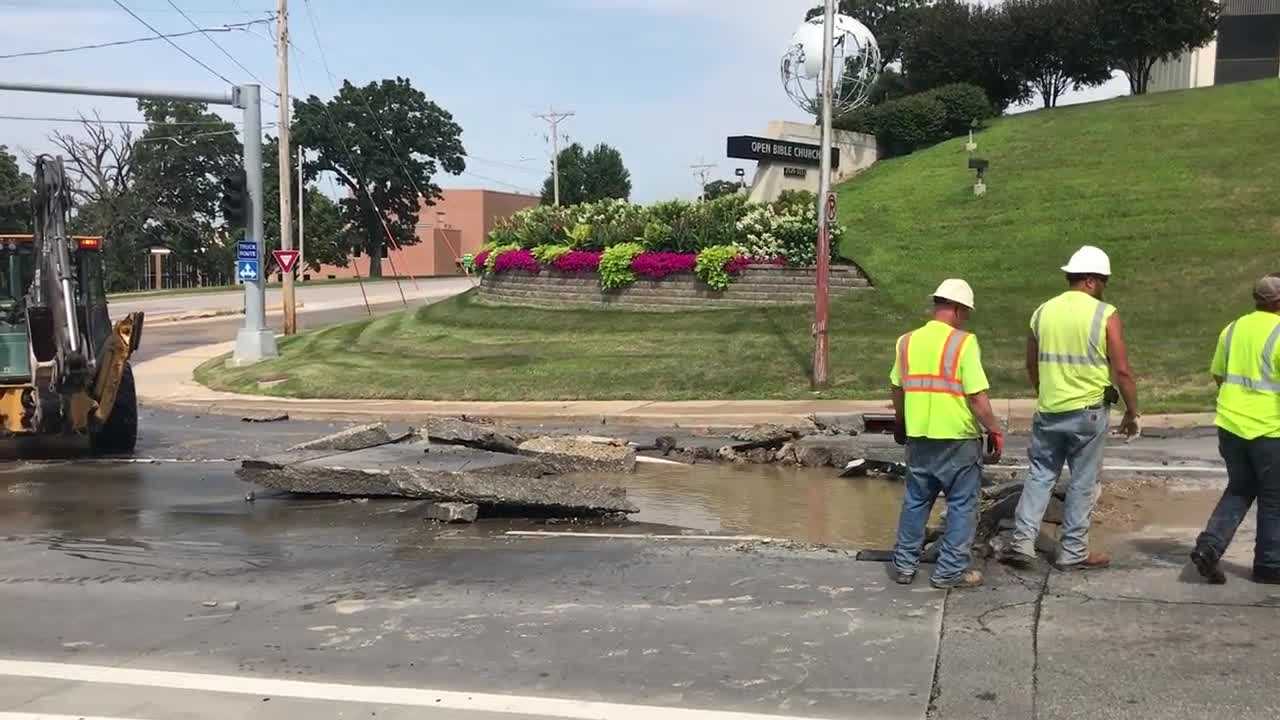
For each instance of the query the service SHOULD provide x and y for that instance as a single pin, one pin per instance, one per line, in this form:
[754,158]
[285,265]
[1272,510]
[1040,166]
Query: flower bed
[621,243]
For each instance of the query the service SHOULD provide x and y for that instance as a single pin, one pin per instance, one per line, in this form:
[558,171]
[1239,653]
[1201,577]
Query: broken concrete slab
[570,455]
[833,450]
[839,423]
[353,438]
[453,512]
[440,473]
[482,436]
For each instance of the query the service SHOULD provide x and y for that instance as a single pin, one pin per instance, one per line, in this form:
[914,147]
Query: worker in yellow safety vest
[1246,367]
[1075,351]
[939,400]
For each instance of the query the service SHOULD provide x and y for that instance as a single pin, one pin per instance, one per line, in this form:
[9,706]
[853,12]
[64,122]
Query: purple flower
[480,258]
[516,260]
[657,265]
[577,261]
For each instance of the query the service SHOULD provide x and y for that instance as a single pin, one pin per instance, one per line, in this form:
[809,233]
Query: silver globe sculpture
[856,57]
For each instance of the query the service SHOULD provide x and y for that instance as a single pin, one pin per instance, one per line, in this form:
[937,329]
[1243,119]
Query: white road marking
[46,716]
[370,694]
[642,536]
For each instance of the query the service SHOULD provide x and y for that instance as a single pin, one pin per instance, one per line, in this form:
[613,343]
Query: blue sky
[664,81]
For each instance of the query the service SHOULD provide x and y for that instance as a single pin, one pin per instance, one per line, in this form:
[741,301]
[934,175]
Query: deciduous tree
[1057,45]
[587,176]
[1139,33]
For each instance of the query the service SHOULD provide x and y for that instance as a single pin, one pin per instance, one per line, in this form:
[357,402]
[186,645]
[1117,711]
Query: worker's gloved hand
[994,448]
[1131,425]
[900,431]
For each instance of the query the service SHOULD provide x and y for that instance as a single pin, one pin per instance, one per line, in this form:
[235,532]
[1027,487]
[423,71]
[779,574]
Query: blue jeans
[1076,438]
[1253,473]
[951,467]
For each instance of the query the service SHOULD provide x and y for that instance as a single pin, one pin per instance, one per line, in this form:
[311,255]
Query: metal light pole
[826,205]
[254,341]
[286,196]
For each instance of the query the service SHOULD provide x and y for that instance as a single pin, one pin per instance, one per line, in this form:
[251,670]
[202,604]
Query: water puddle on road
[806,504]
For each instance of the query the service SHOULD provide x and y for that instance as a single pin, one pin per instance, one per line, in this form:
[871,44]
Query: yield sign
[286,259]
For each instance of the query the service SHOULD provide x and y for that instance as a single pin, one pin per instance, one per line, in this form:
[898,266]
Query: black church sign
[750,147]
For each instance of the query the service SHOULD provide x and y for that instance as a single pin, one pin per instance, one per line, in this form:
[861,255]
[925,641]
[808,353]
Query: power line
[117,43]
[223,50]
[176,46]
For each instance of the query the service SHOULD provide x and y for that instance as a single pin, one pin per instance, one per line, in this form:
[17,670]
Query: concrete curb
[167,383]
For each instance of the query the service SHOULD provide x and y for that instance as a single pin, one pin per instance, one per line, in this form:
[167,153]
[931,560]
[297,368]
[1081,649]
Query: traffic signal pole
[254,341]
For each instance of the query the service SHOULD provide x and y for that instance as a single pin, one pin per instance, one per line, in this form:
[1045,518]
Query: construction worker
[1246,366]
[1075,351]
[939,399]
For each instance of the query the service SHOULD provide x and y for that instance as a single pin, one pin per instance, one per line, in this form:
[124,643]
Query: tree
[1139,33]
[15,195]
[720,188]
[179,164]
[384,142]
[1056,45]
[955,42]
[890,21]
[328,239]
[100,161]
[587,176]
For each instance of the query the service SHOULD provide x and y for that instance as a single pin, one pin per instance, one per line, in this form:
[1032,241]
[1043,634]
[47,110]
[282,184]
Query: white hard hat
[1088,260]
[957,291]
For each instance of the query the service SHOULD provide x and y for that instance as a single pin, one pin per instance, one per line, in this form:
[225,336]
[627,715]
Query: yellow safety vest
[1071,331]
[928,371]
[1248,360]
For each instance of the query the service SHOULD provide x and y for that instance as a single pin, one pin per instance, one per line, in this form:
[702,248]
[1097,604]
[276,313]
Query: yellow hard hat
[955,290]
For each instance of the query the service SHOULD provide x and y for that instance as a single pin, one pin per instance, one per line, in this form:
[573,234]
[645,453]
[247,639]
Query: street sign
[247,250]
[247,270]
[286,259]
[831,207]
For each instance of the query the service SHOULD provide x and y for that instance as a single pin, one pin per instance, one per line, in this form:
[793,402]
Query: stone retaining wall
[757,285]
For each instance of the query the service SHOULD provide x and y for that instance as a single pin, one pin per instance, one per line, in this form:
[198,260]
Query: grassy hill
[1177,187]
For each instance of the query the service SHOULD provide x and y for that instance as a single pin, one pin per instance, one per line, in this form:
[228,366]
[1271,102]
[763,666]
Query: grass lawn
[1177,187]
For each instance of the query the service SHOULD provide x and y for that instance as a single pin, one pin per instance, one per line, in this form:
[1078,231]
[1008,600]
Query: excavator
[64,367]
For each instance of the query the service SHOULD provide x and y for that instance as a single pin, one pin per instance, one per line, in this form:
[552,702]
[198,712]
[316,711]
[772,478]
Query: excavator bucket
[116,351]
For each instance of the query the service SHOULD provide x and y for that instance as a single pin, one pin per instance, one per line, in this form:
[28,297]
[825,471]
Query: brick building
[458,223]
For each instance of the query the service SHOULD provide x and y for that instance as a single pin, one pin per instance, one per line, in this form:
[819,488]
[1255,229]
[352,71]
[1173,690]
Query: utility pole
[554,119]
[286,196]
[826,205]
[302,196]
[701,170]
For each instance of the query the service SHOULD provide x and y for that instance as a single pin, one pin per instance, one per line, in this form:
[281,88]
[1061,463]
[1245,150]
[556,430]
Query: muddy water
[811,505]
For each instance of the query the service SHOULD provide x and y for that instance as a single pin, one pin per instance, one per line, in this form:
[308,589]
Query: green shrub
[540,225]
[611,222]
[710,265]
[917,121]
[656,235]
[547,254]
[615,265]
[966,107]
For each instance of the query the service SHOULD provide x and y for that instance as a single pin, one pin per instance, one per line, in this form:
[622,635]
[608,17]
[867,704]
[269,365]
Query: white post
[302,196]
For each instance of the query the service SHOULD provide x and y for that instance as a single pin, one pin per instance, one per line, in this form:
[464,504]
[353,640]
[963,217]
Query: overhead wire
[176,46]
[117,43]
[221,49]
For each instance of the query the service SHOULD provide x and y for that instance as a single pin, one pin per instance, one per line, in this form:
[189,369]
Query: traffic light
[235,201]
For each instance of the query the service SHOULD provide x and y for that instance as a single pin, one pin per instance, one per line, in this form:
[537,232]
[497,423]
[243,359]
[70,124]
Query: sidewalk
[166,382]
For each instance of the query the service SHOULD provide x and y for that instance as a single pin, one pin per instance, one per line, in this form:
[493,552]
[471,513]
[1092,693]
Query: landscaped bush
[615,265]
[578,261]
[491,258]
[917,121]
[547,254]
[657,265]
[714,262]
[518,259]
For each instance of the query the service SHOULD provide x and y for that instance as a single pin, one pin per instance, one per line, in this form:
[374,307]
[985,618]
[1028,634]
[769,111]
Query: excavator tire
[119,435]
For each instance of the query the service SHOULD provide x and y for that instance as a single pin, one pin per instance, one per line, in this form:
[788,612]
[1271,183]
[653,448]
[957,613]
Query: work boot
[903,578]
[966,579]
[1095,561]
[1266,575]
[1206,561]
[1020,560]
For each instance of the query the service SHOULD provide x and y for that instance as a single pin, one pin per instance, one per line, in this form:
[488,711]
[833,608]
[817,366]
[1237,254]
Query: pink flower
[516,260]
[657,265]
[480,258]
[577,261]
[737,264]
